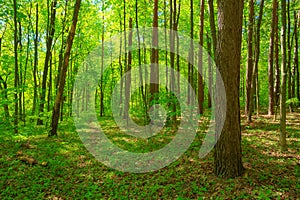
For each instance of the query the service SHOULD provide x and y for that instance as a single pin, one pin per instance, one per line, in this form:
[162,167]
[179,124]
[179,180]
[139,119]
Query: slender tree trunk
[296,56]
[277,67]
[254,79]
[283,78]
[16,80]
[289,54]
[35,65]
[200,59]
[128,79]
[210,74]
[228,151]
[56,108]
[249,70]
[154,74]
[4,83]
[271,61]
[212,25]
[102,75]
[4,92]
[139,58]
[47,58]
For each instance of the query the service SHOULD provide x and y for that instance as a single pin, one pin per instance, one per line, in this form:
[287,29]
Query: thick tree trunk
[62,81]
[271,60]
[47,58]
[228,151]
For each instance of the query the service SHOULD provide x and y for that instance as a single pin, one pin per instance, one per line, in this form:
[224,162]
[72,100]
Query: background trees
[38,65]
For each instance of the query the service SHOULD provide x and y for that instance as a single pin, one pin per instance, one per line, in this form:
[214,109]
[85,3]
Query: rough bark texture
[228,151]
[62,81]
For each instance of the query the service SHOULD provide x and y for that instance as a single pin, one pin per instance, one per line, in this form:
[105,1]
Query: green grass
[66,170]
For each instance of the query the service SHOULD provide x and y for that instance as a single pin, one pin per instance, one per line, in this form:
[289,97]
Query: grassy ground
[33,166]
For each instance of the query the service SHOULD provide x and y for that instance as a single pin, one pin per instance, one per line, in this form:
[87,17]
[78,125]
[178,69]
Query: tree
[228,151]
[249,58]
[62,79]
[154,78]
[16,80]
[254,80]
[200,59]
[283,78]
[271,60]
[47,58]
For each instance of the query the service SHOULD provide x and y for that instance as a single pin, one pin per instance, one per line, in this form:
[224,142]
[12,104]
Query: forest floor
[33,166]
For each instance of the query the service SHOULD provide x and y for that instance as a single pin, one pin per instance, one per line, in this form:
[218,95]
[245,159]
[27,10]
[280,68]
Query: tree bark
[62,81]
[228,151]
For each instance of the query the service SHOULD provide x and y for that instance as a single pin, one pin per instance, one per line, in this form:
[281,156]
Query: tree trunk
[210,74]
[62,81]
[271,60]
[200,59]
[128,79]
[212,25]
[4,92]
[283,78]
[228,151]
[289,54]
[35,65]
[254,79]
[277,68]
[249,70]
[47,58]
[154,74]
[296,54]
[16,80]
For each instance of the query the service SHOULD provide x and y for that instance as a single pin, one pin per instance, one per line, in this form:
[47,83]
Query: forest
[137,99]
